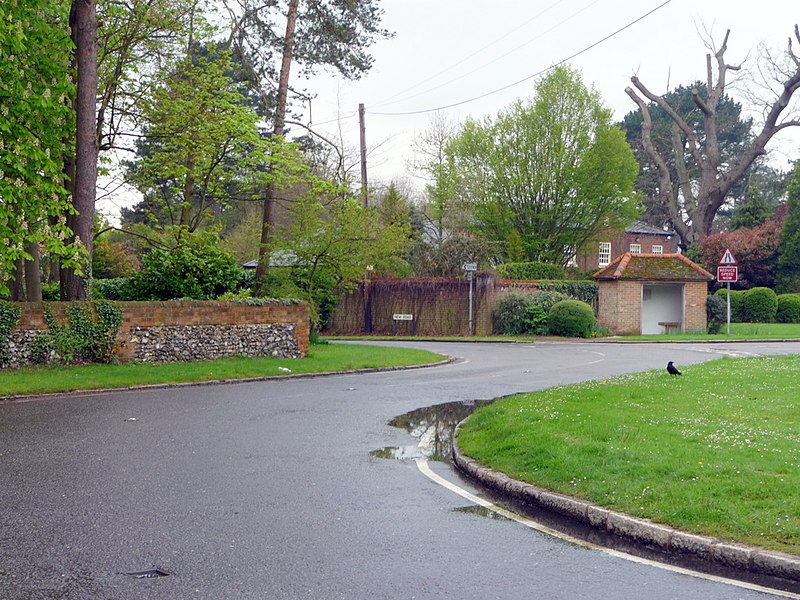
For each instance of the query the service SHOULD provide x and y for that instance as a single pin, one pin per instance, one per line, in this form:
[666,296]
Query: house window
[636,248]
[658,249]
[605,254]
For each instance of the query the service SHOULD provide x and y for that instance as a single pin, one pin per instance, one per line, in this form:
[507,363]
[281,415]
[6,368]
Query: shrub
[760,305]
[716,312]
[518,314]
[111,289]
[579,290]
[201,271]
[788,308]
[530,270]
[737,303]
[509,314]
[571,318]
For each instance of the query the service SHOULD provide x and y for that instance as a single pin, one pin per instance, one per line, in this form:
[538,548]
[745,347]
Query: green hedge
[524,314]
[737,303]
[530,270]
[760,305]
[586,291]
[571,318]
[788,308]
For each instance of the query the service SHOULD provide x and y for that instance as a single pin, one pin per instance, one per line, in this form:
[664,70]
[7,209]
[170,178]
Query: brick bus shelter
[642,294]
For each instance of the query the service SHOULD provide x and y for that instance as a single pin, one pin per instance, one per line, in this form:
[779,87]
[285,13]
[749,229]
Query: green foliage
[9,317]
[545,176]
[112,259]
[51,291]
[788,308]
[788,270]
[737,303]
[530,270]
[90,334]
[586,290]
[524,314]
[328,246]
[36,118]
[571,318]
[760,305]
[198,268]
[201,146]
[716,312]
[110,289]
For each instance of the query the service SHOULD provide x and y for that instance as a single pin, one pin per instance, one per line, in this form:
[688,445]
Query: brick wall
[695,294]
[142,316]
[620,306]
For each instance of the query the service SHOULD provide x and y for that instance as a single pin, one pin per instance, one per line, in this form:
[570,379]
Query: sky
[447,52]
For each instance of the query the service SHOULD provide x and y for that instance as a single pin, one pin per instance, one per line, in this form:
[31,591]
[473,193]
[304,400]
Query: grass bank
[715,451]
[739,331]
[321,358]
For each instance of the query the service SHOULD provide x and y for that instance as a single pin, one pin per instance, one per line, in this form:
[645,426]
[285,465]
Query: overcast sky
[447,52]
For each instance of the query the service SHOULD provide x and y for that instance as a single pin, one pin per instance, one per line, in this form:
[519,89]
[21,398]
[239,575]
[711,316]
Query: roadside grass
[739,331]
[715,451]
[321,358]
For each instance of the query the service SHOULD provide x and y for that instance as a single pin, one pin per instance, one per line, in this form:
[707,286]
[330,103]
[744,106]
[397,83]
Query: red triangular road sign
[727,258]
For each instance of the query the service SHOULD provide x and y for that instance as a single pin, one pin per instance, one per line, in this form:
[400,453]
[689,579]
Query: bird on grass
[672,369]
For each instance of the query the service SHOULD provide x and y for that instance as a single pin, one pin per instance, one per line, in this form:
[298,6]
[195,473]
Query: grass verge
[321,359]
[739,331]
[715,451]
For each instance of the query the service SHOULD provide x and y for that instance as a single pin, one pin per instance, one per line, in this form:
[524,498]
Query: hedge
[760,305]
[530,270]
[571,318]
[788,308]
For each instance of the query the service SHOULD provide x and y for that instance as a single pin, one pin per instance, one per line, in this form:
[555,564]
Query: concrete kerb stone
[668,539]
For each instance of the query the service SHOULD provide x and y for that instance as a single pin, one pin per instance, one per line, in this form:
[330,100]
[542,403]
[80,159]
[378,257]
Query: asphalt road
[270,490]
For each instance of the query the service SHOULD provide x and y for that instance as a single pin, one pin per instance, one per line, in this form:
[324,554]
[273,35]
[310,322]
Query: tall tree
[788,275]
[691,203]
[733,133]
[334,33]
[545,176]
[201,146]
[36,118]
[83,22]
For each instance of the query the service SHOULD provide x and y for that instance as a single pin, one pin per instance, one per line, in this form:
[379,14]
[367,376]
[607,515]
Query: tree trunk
[16,289]
[83,20]
[268,194]
[33,274]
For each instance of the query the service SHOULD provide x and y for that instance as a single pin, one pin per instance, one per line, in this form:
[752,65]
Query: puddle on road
[433,428]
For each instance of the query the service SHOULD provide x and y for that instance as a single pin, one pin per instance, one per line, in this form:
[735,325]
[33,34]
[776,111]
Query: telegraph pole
[363,132]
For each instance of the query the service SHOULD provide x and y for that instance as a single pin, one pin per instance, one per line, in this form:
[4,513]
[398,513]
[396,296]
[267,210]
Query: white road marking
[423,466]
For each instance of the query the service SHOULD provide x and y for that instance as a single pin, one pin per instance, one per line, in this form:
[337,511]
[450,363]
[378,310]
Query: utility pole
[363,132]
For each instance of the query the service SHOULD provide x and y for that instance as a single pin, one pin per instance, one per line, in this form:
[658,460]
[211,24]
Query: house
[637,238]
[642,294]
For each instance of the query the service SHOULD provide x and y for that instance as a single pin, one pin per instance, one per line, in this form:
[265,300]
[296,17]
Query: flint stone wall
[183,331]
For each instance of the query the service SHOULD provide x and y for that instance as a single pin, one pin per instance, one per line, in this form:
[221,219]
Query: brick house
[637,238]
[642,294]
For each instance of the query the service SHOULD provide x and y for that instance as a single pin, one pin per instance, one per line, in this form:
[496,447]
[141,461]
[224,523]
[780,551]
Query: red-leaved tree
[755,249]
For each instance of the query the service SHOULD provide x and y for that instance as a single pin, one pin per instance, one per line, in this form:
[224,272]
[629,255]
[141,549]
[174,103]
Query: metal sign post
[728,272]
[470,269]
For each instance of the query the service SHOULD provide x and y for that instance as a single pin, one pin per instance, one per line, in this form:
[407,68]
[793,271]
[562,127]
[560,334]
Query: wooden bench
[670,325]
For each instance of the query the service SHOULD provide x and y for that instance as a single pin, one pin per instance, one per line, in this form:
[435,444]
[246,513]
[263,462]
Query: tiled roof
[646,228]
[654,267]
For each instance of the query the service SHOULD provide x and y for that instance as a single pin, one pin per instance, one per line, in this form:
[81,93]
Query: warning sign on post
[728,258]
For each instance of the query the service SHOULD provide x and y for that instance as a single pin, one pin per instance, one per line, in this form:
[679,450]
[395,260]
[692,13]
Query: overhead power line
[529,77]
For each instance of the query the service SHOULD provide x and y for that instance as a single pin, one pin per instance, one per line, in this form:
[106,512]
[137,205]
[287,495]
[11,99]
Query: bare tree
[692,204]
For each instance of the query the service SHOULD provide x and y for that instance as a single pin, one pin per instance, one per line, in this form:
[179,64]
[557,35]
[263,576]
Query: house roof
[653,267]
[279,258]
[647,229]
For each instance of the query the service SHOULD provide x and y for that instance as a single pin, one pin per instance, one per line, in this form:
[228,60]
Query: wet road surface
[281,489]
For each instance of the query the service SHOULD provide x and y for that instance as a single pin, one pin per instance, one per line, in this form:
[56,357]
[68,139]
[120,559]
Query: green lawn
[321,358]
[715,451]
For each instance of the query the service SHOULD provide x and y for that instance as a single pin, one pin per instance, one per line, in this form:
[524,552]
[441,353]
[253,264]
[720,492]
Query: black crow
[672,369]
